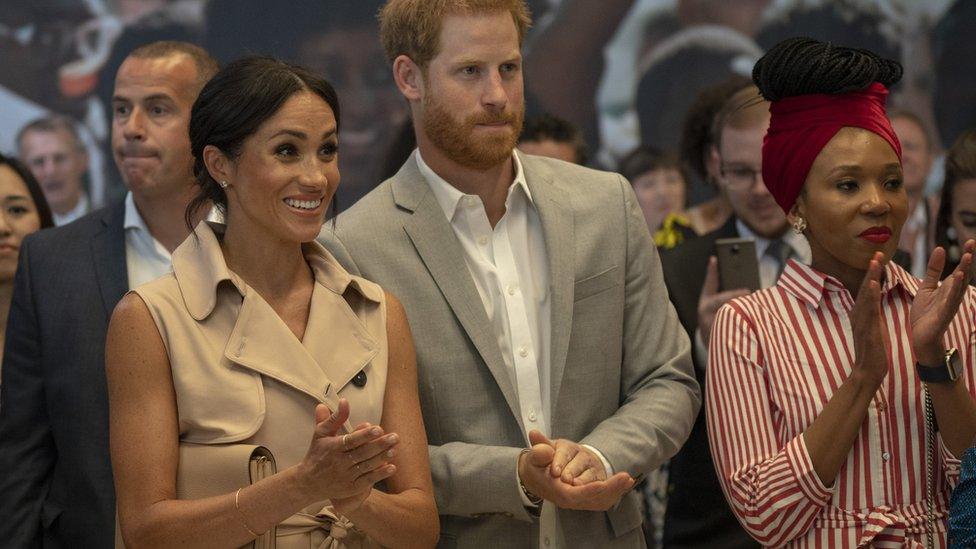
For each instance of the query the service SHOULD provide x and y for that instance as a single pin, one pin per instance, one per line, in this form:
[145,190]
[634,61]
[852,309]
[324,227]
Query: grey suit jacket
[621,370]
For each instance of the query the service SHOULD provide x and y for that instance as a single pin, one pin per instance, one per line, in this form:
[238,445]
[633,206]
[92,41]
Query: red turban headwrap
[801,126]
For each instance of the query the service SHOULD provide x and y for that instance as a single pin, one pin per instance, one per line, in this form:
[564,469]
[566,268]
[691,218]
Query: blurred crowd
[651,89]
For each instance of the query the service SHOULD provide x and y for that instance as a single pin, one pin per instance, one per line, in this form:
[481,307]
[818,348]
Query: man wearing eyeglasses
[697,513]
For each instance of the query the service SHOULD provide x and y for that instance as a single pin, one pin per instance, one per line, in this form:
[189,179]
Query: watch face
[953,364]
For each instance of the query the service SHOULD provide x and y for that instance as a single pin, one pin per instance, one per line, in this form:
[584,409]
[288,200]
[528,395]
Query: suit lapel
[439,249]
[558,229]
[108,255]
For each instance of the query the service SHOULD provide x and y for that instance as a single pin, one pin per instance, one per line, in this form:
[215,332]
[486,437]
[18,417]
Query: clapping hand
[596,494]
[936,304]
[870,338]
[344,468]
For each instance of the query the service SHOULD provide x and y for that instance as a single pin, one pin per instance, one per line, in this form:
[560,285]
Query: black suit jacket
[697,514]
[56,488]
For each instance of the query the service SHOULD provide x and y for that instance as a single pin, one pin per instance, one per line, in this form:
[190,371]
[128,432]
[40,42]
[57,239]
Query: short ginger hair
[413,27]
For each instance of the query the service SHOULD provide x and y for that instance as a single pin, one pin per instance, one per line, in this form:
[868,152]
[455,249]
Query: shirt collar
[798,242]
[811,286]
[80,209]
[449,197]
[133,219]
[199,267]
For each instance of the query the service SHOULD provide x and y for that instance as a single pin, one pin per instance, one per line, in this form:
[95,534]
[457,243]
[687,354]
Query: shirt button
[546,541]
[886,456]
[360,379]
[523,352]
[882,407]
[532,415]
[483,240]
[511,289]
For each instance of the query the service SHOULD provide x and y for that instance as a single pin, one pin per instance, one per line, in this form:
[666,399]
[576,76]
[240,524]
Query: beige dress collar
[259,340]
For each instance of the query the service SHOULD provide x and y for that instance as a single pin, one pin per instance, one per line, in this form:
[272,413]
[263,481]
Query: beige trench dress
[241,375]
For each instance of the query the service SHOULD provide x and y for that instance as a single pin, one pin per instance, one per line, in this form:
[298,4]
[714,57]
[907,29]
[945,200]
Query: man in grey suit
[56,487]
[535,297]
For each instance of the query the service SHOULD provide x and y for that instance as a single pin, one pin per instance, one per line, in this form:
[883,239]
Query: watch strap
[933,374]
[943,373]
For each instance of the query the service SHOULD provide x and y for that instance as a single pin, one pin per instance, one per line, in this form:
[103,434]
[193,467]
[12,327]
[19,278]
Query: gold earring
[799,225]
[223,184]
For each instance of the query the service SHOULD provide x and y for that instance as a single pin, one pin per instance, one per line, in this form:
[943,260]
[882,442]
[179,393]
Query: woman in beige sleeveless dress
[260,337]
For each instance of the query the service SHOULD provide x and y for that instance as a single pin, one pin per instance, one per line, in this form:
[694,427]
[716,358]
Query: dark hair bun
[801,66]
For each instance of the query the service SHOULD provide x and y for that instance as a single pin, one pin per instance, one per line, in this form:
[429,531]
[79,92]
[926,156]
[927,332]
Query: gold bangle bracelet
[237,505]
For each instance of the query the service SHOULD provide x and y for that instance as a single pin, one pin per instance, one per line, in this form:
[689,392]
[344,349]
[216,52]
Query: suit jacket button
[360,379]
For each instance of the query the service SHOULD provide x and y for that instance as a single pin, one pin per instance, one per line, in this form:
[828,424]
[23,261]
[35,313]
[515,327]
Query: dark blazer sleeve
[27,450]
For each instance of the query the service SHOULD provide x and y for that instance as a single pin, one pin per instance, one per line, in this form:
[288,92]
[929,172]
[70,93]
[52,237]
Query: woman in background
[956,220]
[661,185]
[24,211]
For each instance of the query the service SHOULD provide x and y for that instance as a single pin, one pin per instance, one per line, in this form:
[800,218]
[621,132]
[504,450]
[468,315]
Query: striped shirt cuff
[801,464]
[607,468]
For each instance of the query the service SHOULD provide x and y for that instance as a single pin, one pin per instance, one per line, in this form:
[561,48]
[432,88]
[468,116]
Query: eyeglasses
[740,178]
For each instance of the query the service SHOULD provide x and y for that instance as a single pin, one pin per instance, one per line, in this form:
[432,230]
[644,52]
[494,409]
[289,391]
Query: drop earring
[953,252]
[799,225]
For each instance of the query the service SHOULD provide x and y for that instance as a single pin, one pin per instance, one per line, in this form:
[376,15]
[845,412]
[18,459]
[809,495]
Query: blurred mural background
[623,70]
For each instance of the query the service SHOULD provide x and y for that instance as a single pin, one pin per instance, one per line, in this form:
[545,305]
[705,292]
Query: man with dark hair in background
[56,489]
[697,151]
[56,156]
[552,137]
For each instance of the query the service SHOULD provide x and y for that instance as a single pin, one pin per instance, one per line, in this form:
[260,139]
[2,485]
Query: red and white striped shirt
[776,358]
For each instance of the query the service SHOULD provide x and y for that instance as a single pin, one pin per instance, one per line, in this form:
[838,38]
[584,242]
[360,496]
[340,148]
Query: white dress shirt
[80,209]
[509,267]
[769,267]
[145,258]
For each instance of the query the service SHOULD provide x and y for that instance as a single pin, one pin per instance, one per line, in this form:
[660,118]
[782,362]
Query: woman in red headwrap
[839,398]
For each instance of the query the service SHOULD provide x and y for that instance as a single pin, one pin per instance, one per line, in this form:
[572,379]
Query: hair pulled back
[802,66]
[233,105]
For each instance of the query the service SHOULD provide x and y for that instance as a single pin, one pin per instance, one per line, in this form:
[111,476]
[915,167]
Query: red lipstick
[876,235]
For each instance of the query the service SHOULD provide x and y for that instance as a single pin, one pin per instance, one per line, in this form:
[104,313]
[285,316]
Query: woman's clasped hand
[344,467]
